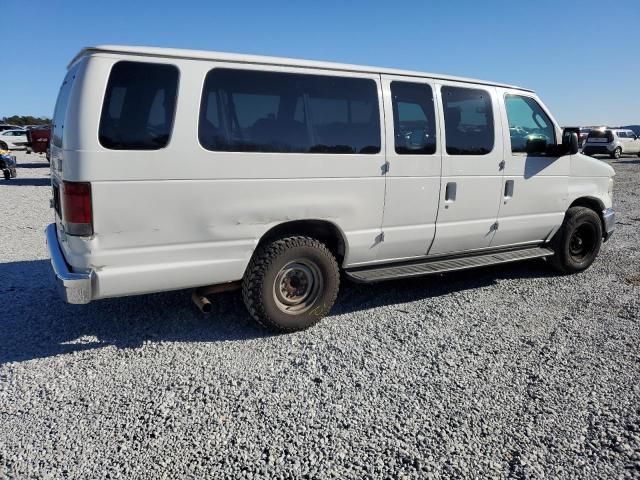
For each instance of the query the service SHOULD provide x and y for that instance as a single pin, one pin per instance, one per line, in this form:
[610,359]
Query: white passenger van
[175,169]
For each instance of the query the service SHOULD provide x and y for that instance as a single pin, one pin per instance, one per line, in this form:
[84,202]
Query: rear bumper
[609,218]
[591,149]
[72,287]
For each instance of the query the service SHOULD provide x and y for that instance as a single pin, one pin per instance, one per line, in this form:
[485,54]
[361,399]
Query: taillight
[76,208]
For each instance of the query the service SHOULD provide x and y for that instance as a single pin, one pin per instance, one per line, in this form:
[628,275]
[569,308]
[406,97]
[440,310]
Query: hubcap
[297,286]
[582,242]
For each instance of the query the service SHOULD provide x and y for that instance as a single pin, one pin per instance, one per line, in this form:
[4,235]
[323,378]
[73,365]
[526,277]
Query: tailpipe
[202,302]
[199,295]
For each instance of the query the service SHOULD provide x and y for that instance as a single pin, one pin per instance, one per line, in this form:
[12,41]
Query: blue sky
[582,57]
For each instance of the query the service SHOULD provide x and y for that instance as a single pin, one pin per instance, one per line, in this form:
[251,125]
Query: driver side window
[527,122]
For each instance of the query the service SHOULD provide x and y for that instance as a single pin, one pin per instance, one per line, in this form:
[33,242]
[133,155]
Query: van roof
[267,60]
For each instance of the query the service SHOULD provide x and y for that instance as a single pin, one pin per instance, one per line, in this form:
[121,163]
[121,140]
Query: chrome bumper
[609,218]
[72,287]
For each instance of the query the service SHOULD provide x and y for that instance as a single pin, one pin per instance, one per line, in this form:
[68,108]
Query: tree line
[20,120]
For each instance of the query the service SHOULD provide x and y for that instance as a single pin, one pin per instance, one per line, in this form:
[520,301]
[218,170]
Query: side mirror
[570,141]
[536,144]
[574,146]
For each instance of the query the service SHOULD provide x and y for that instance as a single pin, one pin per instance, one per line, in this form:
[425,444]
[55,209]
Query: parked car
[612,142]
[14,140]
[191,169]
[39,138]
[584,133]
[5,126]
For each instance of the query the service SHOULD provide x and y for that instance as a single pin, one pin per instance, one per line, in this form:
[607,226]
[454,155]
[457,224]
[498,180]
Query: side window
[256,111]
[527,121]
[413,118]
[468,119]
[139,106]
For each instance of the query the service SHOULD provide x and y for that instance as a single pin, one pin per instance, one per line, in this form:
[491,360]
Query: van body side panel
[413,188]
[473,183]
[183,216]
[537,201]
[206,233]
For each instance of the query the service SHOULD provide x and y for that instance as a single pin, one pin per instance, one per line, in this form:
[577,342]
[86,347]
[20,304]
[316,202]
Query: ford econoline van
[175,169]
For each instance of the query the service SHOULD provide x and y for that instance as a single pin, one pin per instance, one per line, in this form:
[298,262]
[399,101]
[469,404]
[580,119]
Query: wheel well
[592,203]
[327,232]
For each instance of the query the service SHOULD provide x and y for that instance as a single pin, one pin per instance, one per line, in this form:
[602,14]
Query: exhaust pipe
[199,295]
[202,302]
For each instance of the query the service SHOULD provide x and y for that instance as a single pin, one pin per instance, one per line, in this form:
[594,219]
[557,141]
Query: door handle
[508,190]
[450,192]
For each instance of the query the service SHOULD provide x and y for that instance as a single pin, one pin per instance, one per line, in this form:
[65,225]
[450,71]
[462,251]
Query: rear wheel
[291,283]
[617,153]
[577,243]
[7,174]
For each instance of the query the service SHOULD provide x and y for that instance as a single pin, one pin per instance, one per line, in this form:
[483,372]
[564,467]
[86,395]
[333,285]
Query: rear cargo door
[57,138]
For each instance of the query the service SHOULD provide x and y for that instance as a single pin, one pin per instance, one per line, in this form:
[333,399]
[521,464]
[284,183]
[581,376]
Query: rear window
[60,111]
[606,134]
[254,111]
[139,106]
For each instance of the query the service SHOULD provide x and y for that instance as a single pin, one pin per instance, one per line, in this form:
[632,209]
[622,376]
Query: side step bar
[423,266]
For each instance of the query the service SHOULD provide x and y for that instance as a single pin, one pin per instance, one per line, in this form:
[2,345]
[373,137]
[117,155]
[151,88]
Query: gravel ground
[507,372]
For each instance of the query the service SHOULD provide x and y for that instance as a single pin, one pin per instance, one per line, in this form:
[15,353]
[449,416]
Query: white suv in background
[612,142]
[13,139]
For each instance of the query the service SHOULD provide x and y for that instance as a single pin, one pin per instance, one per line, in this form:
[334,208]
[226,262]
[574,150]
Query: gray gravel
[509,372]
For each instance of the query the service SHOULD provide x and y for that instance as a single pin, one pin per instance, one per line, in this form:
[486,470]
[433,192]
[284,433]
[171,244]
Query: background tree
[21,120]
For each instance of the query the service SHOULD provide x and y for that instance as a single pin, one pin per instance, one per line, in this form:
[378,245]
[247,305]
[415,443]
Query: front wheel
[4,146]
[291,283]
[577,243]
[617,153]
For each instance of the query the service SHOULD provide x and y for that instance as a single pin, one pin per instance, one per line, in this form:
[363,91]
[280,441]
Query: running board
[438,265]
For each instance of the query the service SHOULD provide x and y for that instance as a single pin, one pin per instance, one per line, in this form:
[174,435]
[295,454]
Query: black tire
[7,174]
[577,243]
[291,283]
[4,146]
[617,153]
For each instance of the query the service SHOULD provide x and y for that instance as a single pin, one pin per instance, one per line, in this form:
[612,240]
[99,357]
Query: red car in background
[39,138]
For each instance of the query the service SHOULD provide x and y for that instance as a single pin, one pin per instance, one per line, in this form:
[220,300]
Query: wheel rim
[618,153]
[297,286]
[582,242]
